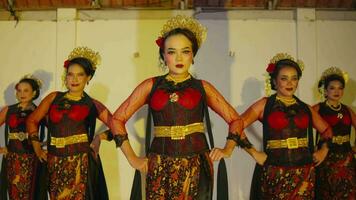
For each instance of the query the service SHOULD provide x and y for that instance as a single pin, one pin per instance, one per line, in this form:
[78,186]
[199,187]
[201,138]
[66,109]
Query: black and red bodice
[340,122]
[285,122]
[69,118]
[178,105]
[16,122]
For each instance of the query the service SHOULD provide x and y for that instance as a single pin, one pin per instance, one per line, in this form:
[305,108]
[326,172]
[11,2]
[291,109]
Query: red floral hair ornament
[271,67]
[160,42]
[66,64]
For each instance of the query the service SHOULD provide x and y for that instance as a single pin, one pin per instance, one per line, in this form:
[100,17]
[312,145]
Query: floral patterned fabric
[174,178]
[336,176]
[68,176]
[20,172]
[294,183]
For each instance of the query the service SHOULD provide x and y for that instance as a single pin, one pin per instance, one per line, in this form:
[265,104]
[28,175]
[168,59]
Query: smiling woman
[285,168]
[19,177]
[74,169]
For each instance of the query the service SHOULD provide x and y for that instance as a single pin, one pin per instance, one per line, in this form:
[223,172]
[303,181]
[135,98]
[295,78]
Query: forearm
[128,151]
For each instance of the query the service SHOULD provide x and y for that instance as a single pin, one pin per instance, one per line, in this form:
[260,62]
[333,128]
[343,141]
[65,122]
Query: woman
[74,170]
[178,163]
[285,167]
[336,176]
[20,165]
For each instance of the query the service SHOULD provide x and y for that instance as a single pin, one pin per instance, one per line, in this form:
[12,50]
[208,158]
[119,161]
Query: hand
[260,157]
[95,145]
[216,154]
[42,155]
[140,164]
[320,155]
[3,150]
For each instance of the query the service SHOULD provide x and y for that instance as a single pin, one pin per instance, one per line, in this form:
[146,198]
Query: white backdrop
[233,58]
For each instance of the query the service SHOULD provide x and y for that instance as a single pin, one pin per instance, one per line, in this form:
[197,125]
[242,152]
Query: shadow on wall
[252,90]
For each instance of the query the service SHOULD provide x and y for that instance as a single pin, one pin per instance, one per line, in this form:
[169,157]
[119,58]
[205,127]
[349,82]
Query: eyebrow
[175,48]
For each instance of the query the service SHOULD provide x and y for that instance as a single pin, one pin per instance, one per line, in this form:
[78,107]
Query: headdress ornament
[328,72]
[32,77]
[272,67]
[183,22]
[84,52]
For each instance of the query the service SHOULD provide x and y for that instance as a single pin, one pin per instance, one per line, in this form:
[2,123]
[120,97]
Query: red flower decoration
[271,67]
[160,42]
[66,64]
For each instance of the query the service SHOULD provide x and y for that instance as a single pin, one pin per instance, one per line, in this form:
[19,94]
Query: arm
[136,100]
[253,113]
[218,103]
[353,122]
[3,112]
[325,134]
[105,116]
[32,124]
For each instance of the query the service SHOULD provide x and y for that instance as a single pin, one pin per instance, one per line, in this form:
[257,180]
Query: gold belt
[290,143]
[178,132]
[340,139]
[61,142]
[18,136]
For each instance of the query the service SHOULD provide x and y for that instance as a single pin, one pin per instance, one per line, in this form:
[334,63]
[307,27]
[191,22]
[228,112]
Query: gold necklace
[337,108]
[177,80]
[72,97]
[286,101]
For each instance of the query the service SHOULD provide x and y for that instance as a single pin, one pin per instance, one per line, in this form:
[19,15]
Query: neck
[333,102]
[284,97]
[76,94]
[179,76]
[25,104]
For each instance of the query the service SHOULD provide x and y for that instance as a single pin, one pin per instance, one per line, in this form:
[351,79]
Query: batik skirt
[336,177]
[179,178]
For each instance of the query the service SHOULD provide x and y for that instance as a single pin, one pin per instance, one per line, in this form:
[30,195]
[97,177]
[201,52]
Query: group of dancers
[179,159]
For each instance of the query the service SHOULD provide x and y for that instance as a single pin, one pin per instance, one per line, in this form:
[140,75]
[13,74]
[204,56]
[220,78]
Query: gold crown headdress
[84,52]
[272,66]
[328,72]
[30,76]
[184,22]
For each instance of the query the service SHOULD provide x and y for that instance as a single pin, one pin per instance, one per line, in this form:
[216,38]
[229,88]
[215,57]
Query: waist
[290,143]
[192,144]
[340,139]
[178,132]
[18,136]
[61,142]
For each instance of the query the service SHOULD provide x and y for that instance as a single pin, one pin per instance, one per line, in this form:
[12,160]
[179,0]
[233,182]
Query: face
[334,90]
[76,78]
[24,92]
[178,54]
[286,82]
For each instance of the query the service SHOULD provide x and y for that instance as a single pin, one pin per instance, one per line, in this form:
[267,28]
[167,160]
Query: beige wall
[233,58]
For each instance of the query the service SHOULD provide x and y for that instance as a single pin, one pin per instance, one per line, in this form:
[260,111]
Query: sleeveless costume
[74,172]
[336,176]
[288,172]
[20,168]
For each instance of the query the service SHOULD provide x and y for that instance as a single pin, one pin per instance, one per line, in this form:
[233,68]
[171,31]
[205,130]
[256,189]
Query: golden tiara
[285,56]
[85,52]
[185,22]
[334,70]
[32,77]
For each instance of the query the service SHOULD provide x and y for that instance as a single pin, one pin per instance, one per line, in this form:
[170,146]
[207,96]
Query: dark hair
[280,65]
[333,77]
[34,85]
[180,31]
[85,64]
